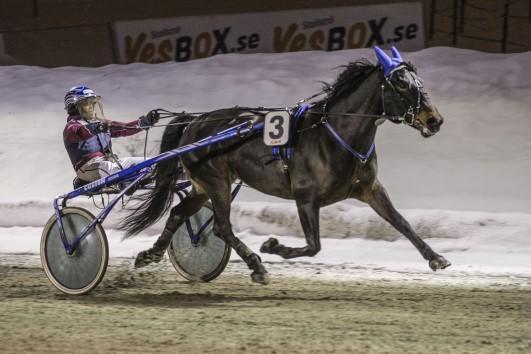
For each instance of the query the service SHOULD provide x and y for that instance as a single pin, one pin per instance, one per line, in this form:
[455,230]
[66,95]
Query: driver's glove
[150,119]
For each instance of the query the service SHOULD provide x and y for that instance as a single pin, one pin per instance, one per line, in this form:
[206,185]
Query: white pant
[103,166]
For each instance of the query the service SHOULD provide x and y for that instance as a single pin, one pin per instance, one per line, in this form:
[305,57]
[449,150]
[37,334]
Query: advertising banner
[193,37]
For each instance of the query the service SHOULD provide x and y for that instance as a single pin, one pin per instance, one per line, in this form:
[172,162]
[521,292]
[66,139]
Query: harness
[360,156]
[284,153]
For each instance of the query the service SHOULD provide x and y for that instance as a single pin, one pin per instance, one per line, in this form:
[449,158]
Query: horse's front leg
[309,217]
[376,196]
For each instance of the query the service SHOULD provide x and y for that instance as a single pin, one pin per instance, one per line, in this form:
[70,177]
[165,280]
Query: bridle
[411,111]
[410,116]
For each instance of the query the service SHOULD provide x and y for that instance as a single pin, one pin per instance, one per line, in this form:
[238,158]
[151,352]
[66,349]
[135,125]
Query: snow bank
[466,189]
[340,220]
[481,159]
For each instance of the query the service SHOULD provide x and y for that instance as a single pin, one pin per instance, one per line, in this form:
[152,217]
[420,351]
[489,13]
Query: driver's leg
[94,169]
[109,167]
[127,162]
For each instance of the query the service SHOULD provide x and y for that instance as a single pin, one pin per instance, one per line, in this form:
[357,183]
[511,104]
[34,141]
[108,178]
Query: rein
[261,110]
[409,117]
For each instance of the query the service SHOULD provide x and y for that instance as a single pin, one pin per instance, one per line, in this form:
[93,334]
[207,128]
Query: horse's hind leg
[309,217]
[220,196]
[178,215]
[377,198]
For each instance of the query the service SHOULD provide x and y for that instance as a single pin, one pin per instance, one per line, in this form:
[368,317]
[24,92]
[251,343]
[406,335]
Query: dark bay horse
[332,159]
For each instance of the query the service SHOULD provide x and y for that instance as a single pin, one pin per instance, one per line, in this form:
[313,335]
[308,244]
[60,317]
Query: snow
[465,190]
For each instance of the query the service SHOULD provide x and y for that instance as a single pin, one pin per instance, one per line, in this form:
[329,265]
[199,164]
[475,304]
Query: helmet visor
[91,108]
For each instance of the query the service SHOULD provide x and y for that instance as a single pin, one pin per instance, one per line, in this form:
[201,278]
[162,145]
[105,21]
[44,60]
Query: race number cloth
[295,118]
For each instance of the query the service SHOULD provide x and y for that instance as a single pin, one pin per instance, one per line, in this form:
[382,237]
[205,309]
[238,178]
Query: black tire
[204,261]
[82,271]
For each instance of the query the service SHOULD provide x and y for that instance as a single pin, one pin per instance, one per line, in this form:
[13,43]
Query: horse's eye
[402,85]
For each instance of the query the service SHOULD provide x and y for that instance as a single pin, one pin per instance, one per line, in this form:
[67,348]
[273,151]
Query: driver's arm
[118,129]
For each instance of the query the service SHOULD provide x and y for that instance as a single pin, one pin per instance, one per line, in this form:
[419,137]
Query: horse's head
[404,96]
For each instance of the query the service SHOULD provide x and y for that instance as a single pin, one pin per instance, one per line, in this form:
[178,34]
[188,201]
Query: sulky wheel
[203,260]
[82,271]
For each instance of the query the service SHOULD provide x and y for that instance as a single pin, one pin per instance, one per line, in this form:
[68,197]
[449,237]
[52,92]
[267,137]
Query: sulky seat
[78,182]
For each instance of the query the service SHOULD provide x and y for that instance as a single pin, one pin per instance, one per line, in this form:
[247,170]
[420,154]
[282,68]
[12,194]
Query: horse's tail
[154,204]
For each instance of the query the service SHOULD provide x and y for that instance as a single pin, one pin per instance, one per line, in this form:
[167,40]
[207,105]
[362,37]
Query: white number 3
[276,128]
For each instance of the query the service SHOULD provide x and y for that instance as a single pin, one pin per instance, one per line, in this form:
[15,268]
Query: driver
[87,135]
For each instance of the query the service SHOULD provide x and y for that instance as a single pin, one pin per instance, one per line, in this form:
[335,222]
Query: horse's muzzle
[433,125]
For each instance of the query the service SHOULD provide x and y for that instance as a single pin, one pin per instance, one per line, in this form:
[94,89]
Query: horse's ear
[384,59]
[397,58]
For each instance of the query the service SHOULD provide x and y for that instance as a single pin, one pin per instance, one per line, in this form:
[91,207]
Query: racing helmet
[83,100]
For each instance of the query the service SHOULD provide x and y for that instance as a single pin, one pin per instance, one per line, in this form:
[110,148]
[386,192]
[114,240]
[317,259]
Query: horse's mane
[355,72]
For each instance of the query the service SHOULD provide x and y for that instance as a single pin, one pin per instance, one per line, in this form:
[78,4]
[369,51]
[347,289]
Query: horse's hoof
[146,257]
[439,262]
[260,278]
[268,246]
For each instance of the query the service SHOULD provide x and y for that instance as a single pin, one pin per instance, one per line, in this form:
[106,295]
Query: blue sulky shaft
[241,130]
[139,171]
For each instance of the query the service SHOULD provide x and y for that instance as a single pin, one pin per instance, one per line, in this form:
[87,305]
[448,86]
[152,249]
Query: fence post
[454,30]
[112,39]
[462,16]
[432,18]
[35,7]
[505,27]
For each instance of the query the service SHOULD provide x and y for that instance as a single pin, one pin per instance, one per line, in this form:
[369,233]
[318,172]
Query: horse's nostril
[433,124]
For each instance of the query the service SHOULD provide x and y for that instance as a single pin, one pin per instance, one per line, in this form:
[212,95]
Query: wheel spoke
[201,262]
[82,271]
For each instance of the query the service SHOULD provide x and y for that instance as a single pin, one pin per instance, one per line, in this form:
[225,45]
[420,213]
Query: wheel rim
[203,261]
[81,270]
